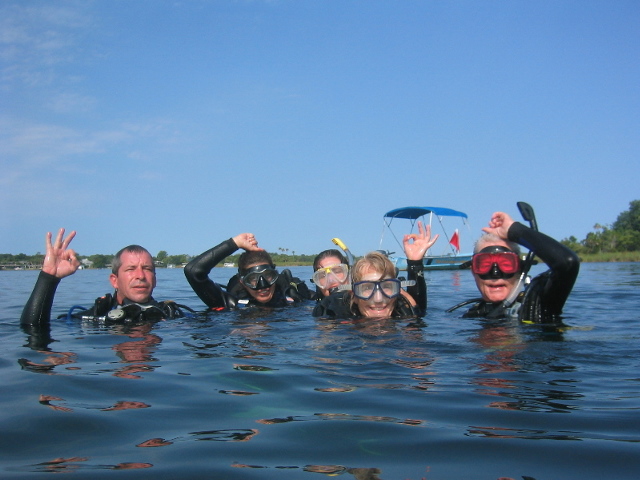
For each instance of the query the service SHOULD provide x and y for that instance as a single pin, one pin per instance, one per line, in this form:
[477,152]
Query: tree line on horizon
[162,259]
[621,236]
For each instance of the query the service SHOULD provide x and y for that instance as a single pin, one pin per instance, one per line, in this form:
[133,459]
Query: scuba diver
[330,273]
[330,270]
[376,292]
[133,277]
[256,283]
[500,274]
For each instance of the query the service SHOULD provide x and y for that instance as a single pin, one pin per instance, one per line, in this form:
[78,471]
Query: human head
[495,286]
[133,274]
[329,258]
[374,266]
[248,263]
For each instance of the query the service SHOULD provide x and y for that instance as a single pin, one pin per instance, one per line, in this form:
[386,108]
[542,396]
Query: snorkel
[528,214]
[346,250]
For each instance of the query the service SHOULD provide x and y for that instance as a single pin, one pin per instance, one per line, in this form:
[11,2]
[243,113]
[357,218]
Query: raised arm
[499,225]
[416,244]
[59,262]
[415,247]
[197,270]
[563,264]
[553,287]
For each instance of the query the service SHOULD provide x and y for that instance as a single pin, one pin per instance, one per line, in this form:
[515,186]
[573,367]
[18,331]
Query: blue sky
[178,124]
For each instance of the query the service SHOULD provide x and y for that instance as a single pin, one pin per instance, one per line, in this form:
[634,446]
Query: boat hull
[439,262]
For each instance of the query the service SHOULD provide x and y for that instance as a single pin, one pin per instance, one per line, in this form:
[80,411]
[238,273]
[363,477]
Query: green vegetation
[281,259]
[611,243]
[162,259]
[21,260]
[619,242]
[611,257]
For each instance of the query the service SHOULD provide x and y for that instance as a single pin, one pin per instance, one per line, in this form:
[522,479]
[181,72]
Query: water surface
[280,395]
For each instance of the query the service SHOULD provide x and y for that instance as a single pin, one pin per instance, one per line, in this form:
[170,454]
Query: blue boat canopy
[413,213]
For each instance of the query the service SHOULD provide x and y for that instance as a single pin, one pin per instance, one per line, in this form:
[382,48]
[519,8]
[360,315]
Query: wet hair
[253,258]
[332,252]
[117,259]
[488,239]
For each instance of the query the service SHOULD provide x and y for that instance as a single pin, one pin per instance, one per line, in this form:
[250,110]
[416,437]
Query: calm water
[280,395]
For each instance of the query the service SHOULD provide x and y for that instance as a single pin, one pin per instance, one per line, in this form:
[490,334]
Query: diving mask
[390,288]
[324,275]
[259,277]
[493,258]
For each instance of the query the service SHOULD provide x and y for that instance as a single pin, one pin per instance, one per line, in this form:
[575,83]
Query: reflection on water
[136,353]
[49,361]
[279,394]
[68,465]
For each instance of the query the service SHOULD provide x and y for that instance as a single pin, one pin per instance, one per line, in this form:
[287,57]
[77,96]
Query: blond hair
[376,261]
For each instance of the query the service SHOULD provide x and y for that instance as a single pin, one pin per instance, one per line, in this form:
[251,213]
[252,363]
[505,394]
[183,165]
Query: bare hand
[248,242]
[417,244]
[499,225]
[60,261]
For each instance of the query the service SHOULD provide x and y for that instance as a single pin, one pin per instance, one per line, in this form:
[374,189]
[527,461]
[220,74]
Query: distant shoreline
[610,257]
[614,257]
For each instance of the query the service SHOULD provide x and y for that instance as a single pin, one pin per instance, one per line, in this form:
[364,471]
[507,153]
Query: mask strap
[403,283]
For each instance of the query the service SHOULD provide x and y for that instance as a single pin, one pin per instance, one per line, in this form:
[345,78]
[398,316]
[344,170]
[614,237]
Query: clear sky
[178,124]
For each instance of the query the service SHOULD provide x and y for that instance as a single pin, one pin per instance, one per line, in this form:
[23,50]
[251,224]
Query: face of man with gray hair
[496,267]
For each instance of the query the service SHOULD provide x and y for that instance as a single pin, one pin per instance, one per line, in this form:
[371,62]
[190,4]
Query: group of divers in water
[367,288]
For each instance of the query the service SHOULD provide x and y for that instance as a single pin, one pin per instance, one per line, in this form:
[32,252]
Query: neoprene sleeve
[415,271]
[197,273]
[37,311]
[563,263]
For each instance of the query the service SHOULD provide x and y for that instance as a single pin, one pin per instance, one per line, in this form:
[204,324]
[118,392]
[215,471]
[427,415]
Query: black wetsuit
[543,299]
[288,290]
[37,311]
[338,304]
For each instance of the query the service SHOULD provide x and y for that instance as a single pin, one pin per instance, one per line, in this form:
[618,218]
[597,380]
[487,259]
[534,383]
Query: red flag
[455,240]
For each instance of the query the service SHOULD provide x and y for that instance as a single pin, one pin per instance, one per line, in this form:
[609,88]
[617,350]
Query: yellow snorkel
[345,249]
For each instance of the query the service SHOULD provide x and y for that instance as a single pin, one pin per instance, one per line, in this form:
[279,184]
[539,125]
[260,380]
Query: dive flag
[455,240]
